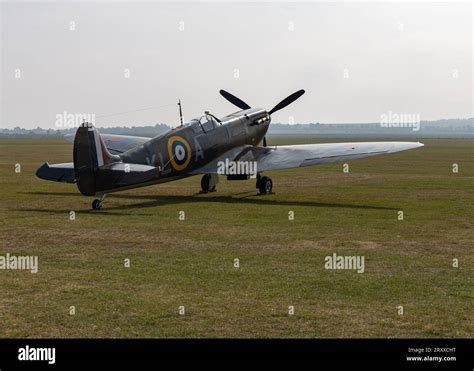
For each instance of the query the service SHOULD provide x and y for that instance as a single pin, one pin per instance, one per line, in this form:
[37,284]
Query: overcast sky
[355,61]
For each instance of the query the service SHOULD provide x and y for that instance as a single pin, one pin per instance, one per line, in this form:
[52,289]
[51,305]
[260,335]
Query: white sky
[400,57]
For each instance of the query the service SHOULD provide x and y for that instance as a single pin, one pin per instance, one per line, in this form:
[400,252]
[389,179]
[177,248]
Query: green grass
[190,262]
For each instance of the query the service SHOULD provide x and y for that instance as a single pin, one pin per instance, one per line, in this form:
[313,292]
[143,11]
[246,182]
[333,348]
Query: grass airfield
[190,263]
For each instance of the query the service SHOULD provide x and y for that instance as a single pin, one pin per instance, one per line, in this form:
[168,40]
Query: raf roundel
[179,152]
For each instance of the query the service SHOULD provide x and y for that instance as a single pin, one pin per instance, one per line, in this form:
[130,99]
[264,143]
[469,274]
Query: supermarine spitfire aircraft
[108,163]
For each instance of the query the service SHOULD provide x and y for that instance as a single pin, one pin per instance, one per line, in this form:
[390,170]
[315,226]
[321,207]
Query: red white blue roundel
[179,152]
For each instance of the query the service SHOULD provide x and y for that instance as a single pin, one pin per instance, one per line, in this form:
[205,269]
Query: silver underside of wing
[293,156]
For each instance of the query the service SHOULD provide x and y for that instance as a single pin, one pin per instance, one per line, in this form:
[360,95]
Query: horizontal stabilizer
[119,174]
[57,172]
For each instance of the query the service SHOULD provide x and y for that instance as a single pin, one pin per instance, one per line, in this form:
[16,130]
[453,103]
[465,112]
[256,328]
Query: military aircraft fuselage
[186,148]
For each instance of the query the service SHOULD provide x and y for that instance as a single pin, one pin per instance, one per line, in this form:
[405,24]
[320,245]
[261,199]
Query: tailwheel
[96,204]
[265,185]
[208,183]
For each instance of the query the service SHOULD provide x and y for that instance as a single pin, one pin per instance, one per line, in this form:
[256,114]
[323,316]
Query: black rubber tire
[265,185]
[205,184]
[257,183]
[96,204]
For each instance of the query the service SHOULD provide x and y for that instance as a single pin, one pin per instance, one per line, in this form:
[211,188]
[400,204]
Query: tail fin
[90,153]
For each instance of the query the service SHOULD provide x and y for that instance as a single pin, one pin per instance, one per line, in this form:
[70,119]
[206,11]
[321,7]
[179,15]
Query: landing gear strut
[264,184]
[208,182]
[97,203]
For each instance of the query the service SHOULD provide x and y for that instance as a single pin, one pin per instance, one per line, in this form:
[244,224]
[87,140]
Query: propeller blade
[264,141]
[288,100]
[234,100]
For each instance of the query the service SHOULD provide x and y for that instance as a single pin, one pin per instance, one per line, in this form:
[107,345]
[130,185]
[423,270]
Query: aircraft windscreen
[208,122]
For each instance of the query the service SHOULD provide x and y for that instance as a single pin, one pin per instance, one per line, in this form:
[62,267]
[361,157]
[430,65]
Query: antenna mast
[180,112]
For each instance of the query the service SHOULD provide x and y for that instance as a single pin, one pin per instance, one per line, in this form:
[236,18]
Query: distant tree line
[439,128]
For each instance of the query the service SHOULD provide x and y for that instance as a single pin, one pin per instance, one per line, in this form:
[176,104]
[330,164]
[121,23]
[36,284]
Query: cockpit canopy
[207,122]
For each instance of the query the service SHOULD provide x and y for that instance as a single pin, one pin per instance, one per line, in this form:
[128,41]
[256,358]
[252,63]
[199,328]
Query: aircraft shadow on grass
[249,198]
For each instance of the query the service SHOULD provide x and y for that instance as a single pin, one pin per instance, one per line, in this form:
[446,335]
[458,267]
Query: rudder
[90,153]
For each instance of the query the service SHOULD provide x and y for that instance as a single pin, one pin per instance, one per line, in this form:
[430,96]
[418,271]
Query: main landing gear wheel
[265,185]
[208,184]
[96,204]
